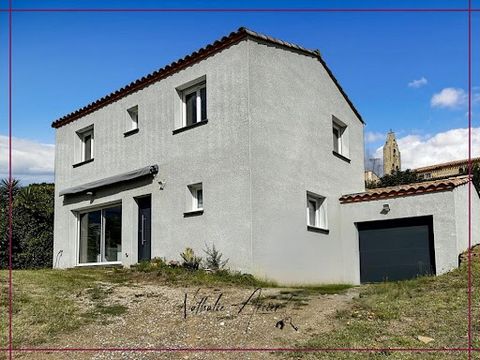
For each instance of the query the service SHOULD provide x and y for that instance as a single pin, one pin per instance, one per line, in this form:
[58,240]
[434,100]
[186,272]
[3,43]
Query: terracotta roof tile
[406,190]
[446,164]
[226,41]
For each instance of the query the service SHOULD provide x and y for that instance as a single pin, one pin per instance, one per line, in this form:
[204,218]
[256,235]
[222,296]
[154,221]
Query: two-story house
[247,143]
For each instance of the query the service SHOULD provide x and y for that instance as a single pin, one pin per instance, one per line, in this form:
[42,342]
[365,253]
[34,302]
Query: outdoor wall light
[89,193]
[162,183]
[385,209]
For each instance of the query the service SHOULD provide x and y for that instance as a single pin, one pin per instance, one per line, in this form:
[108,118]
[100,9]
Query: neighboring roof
[446,164]
[406,190]
[233,38]
[116,179]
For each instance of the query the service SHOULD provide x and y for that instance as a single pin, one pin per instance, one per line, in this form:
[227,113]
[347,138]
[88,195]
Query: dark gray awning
[131,175]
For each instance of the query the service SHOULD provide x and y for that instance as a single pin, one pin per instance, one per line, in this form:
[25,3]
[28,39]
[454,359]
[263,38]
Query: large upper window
[101,236]
[194,104]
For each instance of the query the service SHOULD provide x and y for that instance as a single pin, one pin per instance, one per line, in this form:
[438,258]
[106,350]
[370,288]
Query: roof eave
[195,57]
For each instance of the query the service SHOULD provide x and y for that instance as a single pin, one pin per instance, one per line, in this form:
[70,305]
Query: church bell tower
[391,155]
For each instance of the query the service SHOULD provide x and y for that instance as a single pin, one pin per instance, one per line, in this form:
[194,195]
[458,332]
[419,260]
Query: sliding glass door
[90,237]
[101,235]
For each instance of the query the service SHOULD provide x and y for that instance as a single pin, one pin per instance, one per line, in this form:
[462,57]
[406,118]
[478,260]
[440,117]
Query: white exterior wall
[461,215]
[215,154]
[292,100]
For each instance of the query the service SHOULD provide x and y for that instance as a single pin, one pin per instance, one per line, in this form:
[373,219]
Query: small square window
[86,138]
[133,115]
[316,211]
[196,196]
[194,108]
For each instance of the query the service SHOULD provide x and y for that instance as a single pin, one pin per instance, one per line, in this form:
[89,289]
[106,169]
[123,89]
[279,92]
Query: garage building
[410,230]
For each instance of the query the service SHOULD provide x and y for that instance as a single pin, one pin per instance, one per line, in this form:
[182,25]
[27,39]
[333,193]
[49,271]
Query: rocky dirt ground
[156,319]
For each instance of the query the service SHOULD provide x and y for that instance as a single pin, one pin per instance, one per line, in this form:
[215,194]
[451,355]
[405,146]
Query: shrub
[149,265]
[190,260]
[213,261]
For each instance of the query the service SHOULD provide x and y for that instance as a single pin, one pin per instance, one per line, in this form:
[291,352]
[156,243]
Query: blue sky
[62,61]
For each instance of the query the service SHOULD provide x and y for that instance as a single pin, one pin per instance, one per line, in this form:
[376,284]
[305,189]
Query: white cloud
[449,98]
[418,83]
[32,161]
[371,137]
[417,151]
[476,98]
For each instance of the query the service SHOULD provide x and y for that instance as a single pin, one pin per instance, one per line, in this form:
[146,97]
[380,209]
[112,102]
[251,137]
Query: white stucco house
[251,144]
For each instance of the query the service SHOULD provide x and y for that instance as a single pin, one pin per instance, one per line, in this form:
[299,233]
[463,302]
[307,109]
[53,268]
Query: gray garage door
[396,249]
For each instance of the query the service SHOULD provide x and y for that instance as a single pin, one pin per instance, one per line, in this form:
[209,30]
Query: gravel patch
[217,318]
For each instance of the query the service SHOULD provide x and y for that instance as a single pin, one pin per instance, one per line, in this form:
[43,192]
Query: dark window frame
[103,234]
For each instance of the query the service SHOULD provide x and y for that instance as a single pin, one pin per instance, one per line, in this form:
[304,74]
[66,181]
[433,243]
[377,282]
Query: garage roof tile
[406,190]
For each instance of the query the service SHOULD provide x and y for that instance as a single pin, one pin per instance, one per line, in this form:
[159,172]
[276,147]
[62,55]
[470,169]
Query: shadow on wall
[107,191]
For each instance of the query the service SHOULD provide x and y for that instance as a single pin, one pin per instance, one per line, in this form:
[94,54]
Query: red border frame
[468,349]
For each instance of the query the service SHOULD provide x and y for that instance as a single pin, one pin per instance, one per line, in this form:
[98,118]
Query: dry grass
[392,315]
[47,303]
[50,303]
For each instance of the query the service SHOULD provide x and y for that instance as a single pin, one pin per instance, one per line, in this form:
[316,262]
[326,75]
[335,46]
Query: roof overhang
[201,54]
[112,180]
[425,187]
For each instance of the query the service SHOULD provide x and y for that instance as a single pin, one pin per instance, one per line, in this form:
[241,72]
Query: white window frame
[132,112]
[193,89]
[82,134]
[101,208]
[340,131]
[321,219]
[193,190]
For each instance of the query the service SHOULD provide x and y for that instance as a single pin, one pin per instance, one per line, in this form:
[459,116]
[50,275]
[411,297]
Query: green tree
[5,186]
[32,225]
[396,178]
[475,176]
